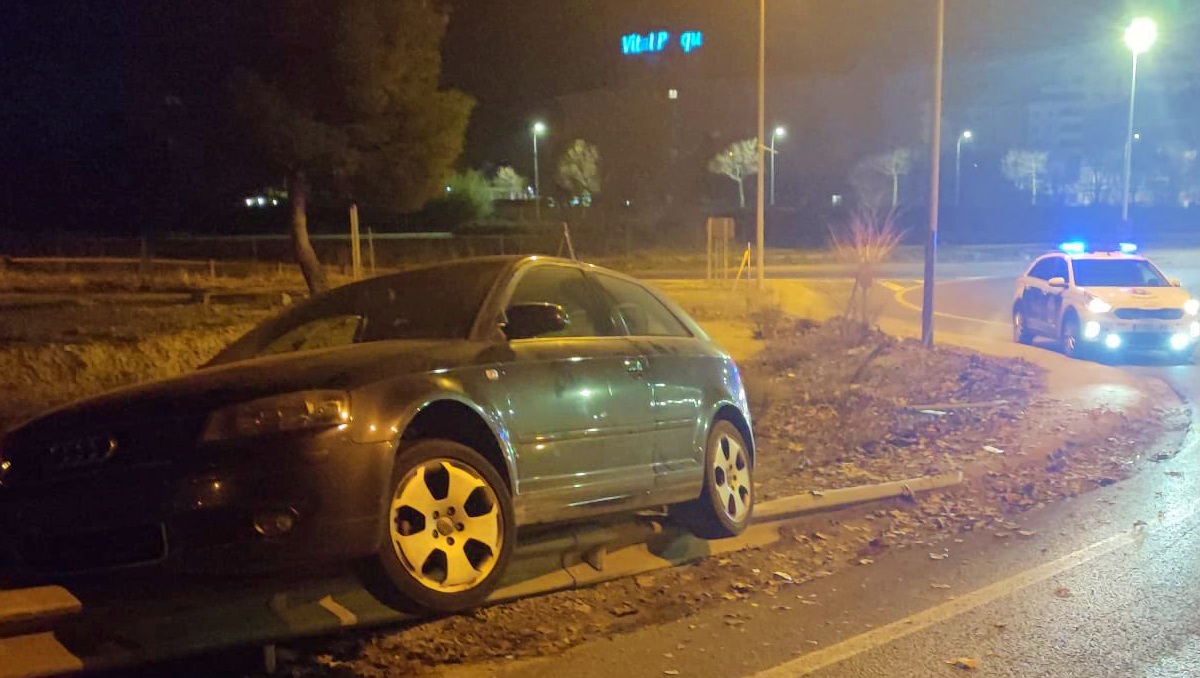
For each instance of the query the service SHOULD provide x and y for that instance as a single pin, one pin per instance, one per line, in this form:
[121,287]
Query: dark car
[412,421]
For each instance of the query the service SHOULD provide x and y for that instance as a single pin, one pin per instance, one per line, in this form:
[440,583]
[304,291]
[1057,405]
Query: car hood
[1142,297]
[195,394]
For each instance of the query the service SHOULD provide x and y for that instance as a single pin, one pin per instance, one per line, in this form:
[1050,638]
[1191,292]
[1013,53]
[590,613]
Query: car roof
[1118,256]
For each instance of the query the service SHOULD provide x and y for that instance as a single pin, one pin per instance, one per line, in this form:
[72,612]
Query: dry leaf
[964,663]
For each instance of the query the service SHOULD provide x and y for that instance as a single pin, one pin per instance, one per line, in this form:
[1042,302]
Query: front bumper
[1176,336]
[319,498]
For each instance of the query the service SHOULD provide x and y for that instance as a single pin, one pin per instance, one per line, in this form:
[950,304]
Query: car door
[678,370]
[1033,298]
[577,404]
[1053,298]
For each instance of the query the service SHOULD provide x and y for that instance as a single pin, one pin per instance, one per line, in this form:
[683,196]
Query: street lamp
[539,128]
[779,133]
[967,135]
[760,211]
[1139,37]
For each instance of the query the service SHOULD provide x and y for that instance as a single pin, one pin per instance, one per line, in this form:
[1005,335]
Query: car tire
[1072,345]
[1021,333]
[449,529]
[726,505]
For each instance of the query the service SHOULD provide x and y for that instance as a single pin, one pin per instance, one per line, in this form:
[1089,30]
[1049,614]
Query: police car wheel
[1072,345]
[1021,333]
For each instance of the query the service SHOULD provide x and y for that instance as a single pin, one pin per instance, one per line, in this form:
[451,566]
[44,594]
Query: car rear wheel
[1021,333]
[450,527]
[727,502]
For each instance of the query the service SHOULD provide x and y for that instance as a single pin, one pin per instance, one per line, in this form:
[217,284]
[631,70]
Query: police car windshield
[1117,273]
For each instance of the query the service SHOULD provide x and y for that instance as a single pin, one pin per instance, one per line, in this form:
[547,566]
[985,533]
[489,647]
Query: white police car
[1097,302]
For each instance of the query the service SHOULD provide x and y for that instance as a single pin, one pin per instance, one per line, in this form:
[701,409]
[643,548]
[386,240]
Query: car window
[1059,269]
[1041,270]
[642,313]
[587,315]
[318,334]
[1118,273]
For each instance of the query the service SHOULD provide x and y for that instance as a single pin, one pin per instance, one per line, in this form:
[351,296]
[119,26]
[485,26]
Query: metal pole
[762,134]
[537,182]
[355,244]
[934,179]
[1129,148]
[772,169]
[958,171]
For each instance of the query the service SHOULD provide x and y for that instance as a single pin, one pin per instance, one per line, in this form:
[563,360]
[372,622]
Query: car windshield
[1117,273]
[439,302]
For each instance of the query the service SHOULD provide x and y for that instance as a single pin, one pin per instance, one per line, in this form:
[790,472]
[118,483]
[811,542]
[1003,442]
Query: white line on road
[835,654]
[344,615]
[949,316]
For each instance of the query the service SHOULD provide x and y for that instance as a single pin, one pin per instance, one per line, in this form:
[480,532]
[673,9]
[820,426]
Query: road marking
[835,654]
[949,316]
[345,617]
[893,286]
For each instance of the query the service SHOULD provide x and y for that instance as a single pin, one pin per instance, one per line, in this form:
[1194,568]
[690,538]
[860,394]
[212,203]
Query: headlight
[278,414]
[1097,305]
[1191,306]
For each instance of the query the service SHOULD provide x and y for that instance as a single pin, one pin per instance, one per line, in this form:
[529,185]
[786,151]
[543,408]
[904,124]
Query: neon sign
[657,42]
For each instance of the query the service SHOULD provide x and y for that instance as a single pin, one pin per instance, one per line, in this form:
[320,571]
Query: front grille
[64,552]
[1149,313]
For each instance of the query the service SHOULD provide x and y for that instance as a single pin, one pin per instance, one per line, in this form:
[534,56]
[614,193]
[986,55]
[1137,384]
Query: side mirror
[526,321]
[1175,282]
[1059,283]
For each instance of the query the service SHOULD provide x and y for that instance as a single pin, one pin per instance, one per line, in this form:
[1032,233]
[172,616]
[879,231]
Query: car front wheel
[450,527]
[727,502]
[1072,344]
[1021,333]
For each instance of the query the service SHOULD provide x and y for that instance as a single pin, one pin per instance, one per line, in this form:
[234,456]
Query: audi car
[411,424]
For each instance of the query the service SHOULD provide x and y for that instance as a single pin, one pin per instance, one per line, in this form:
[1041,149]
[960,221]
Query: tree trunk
[741,193]
[1033,192]
[895,190]
[310,266]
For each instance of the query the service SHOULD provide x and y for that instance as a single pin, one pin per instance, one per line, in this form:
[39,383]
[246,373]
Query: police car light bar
[1081,247]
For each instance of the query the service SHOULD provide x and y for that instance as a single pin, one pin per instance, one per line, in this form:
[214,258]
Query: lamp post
[539,128]
[1139,37]
[779,133]
[967,135]
[760,211]
[935,168]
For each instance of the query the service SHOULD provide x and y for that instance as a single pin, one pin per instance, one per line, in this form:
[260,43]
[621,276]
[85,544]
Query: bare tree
[738,161]
[579,170]
[894,164]
[1026,168]
[509,184]
[866,241]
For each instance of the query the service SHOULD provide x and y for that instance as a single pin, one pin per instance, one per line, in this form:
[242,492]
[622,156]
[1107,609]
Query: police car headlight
[1099,306]
[1191,306]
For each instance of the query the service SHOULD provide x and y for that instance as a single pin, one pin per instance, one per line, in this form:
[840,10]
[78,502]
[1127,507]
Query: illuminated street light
[539,128]
[967,135]
[779,133]
[1139,37]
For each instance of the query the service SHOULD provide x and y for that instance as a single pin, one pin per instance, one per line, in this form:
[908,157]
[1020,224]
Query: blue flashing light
[1128,248]
[1073,247]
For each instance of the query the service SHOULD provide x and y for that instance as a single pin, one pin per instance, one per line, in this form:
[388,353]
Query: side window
[317,334]
[587,315]
[1060,269]
[642,313]
[1041,270]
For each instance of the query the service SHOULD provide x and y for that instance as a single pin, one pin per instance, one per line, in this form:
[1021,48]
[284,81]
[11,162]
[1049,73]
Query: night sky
[74,71]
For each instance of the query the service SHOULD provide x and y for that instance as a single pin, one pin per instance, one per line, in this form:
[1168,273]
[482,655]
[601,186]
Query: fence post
[371,249]
[212,270]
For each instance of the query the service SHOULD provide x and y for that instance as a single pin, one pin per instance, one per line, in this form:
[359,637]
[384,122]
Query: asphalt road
[1108,586]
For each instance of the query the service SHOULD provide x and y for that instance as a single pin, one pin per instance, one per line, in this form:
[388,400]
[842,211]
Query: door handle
[636,367]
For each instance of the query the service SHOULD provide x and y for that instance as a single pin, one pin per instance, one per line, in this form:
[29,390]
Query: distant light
[448,189]
[1128,248]
[261,201]
[249,202]
[836,199]
[780,132]
[1137,136]
[628,203]
[968,134]
[539,128]
[1180,341]
[1113,341]
[1091,330]
[1073,247]
[672,94]
[274,201]
[1141,35]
